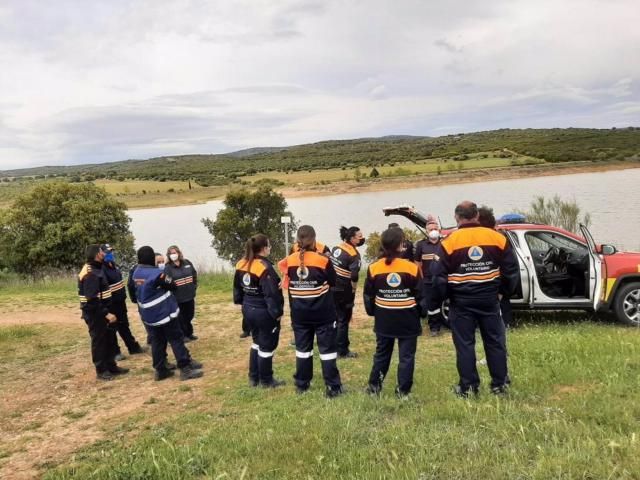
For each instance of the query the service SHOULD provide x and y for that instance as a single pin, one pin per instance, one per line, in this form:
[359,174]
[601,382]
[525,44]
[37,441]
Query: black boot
[189,373]
[162,374]
[105,376]
[334,392]
[136,349]
[116,370]
[273,384]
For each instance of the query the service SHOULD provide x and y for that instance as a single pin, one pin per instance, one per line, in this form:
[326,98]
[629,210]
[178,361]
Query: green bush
[49,227]
[246,213]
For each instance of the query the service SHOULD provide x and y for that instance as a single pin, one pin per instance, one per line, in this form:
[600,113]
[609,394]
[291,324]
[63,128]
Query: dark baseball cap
[105,247]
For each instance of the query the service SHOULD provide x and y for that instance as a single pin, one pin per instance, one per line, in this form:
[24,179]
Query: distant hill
[552,145]
[248,152]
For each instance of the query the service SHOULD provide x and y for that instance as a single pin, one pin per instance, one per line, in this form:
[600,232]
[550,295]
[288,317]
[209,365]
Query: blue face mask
[109,257]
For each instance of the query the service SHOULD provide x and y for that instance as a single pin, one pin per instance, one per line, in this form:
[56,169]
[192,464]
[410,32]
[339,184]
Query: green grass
[20,292]
[16,333]
[572,413]
[22,346]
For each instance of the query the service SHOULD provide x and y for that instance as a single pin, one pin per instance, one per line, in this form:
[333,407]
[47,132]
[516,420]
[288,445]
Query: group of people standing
[473,267]
[164,289]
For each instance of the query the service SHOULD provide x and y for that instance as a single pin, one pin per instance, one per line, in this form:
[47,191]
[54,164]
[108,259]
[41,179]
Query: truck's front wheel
[627,304]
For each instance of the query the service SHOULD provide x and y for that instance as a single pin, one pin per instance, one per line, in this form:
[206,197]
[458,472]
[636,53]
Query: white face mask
[174,257]
[161,266]
[434,235]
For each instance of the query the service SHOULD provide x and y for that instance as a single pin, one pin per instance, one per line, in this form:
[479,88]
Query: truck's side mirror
[608,249]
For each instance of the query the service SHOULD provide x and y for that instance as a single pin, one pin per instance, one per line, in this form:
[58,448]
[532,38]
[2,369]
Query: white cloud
[99,81]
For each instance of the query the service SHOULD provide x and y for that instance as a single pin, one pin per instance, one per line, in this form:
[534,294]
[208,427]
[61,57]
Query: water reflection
[611,198]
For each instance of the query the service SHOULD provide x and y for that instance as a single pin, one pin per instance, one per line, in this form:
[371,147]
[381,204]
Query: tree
[373,243]
[246,213]
[374,173]
[49,227]
[557,212]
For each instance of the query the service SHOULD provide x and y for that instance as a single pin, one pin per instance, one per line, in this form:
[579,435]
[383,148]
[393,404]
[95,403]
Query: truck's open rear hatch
[409,213]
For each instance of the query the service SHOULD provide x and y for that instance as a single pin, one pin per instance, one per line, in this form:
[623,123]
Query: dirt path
[52,407]
[42,317]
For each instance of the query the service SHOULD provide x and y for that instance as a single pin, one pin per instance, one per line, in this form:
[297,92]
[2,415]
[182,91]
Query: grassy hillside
[552,145]
[196,178]
[572,412]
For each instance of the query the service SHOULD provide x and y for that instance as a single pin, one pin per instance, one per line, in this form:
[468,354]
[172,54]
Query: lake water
[612,199]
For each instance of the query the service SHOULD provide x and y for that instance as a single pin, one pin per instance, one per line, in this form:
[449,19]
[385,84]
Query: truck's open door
[526,270]
[596,282]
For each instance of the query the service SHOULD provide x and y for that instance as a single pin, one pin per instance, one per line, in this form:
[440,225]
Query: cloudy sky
[96,81]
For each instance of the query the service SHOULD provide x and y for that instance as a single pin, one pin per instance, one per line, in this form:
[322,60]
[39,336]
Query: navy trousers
[326,335]
[265,332]
[119,309]
[344,311]
[465,316]
[169,333]
[187,311]
[435,321]
[406,362]
[103,342]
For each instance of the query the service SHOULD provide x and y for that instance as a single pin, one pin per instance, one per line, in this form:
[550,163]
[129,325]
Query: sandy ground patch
[53,407]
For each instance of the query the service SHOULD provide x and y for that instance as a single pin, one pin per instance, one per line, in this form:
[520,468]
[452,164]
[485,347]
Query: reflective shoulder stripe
[155,302]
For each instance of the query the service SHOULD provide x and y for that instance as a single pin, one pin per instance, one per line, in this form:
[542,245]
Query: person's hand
[111,318]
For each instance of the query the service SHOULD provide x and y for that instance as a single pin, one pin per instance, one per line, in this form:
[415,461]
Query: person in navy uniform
[486,218]
[392,295]
[256,286]
[95,302]
[473,266]
[185,279]
[313,312]
[425,252]
[346,262]
[158,308]
[118,306]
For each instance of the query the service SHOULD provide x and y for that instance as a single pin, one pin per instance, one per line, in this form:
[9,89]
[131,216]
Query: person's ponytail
[306,238]
[347,234]
[253,247]
[390,242]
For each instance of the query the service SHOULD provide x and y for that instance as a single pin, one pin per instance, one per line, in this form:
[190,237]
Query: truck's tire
[627,304]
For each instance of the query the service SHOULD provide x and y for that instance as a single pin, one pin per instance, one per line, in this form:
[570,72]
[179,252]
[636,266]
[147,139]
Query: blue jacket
[156,303]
